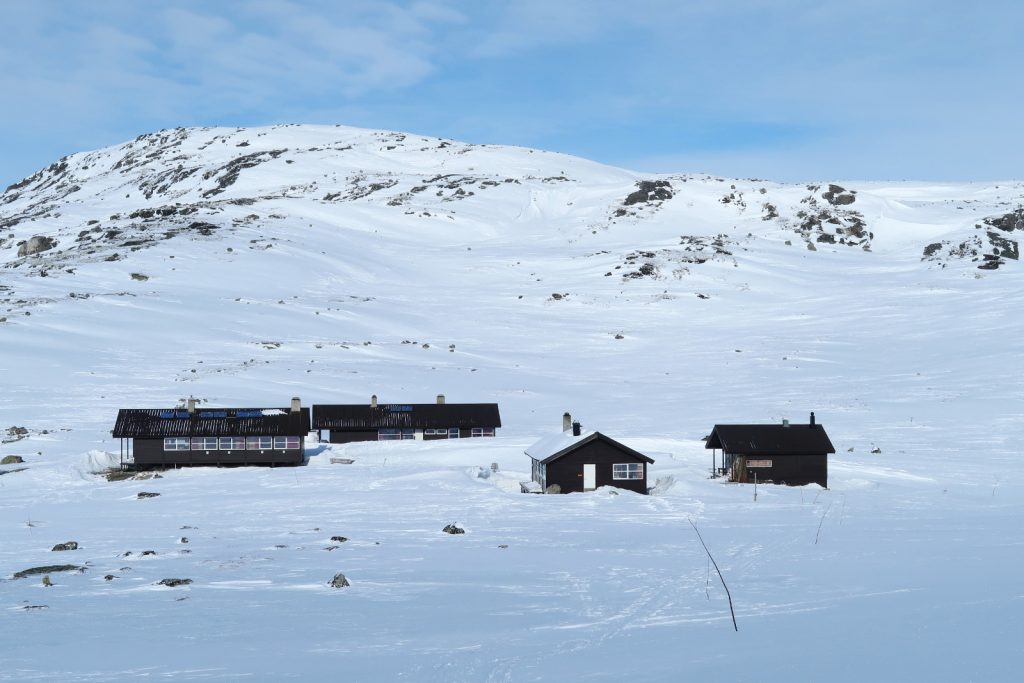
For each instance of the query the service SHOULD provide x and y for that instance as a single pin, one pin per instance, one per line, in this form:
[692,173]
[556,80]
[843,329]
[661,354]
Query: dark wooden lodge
[582,461]
[773,453]
[396,422]
[215,436]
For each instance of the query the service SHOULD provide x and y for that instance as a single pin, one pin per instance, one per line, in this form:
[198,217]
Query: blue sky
[778,89]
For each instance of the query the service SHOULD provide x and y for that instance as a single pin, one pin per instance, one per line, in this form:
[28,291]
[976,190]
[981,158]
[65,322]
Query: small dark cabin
[397,422]
[794,454]
[582,461]
[214,436]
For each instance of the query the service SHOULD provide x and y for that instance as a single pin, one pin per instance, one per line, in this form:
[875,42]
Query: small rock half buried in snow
[70,545]
[452,529]
[339,581]
[147,494]
[172,583]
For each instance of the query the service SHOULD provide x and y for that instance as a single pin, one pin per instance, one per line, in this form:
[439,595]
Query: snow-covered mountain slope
[246,266]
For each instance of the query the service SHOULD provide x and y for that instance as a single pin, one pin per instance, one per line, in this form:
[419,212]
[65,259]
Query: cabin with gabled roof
[375,421]
[794,454]
[213,436]
[576,460]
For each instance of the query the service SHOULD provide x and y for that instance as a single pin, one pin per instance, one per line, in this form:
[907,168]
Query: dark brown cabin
[794,454]
[583,461]
[213,436]
[375,421]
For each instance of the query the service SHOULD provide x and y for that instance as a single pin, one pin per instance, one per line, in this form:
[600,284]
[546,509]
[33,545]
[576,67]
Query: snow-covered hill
[246,266]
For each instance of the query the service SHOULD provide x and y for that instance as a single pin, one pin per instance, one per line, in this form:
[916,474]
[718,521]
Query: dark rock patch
[174,583]
[70,545]
[838,196]
[649,191]
[48,569]
[453,529]
[339,581]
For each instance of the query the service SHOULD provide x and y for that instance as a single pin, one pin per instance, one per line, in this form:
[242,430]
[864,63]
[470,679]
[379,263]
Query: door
[589,477]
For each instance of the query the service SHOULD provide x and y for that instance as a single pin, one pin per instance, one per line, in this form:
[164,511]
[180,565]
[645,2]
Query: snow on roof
[555,443]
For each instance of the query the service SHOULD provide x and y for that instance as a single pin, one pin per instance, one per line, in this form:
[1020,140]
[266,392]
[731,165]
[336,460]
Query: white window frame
[395,434]
[627,471]
[441,433]
[481,431]
[454,433]
[231,443]
[259,443]
[204,443]
[285,443]
[177,443]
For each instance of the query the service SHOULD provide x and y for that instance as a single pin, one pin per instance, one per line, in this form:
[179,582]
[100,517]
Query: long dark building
[794,454]
[576,461]
[401,421]
[212,436]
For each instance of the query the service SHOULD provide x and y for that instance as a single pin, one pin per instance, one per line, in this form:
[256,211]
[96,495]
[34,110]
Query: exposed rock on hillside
[989,252]
[35,245]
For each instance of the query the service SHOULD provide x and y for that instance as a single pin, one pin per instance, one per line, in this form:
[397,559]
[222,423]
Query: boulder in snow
[35,245]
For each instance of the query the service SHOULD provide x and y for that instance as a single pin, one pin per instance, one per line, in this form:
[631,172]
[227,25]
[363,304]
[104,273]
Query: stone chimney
[191,404]
[440,399]
[296,404]
[785,423]
[566,422]
[373,401]
[576,428]
[812,418]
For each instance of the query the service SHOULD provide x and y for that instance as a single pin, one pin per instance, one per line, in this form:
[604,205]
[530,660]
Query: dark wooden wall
[350,436]
[150,452]
[567,471]
[795,470]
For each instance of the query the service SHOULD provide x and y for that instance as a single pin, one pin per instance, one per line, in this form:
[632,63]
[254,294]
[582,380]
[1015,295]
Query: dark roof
[551,448]
[406,416]
[154,423]
[773,439]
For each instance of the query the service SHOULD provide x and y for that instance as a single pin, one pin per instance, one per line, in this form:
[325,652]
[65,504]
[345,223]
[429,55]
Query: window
[204,443]
[436,433]
[232,443]
[395,434]
[259,443]
[482,431]
[453,432]
[176,444]
[629,470]
[283,442]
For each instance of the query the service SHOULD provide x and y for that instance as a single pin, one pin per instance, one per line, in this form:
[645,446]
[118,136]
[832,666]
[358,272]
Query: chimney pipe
[576,427]
[296,404]
[812,418]
[566,422]
[191,406]
[373,401]
[440,399]
[785,423]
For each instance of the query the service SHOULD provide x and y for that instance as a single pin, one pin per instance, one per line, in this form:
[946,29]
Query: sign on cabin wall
[759,463]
